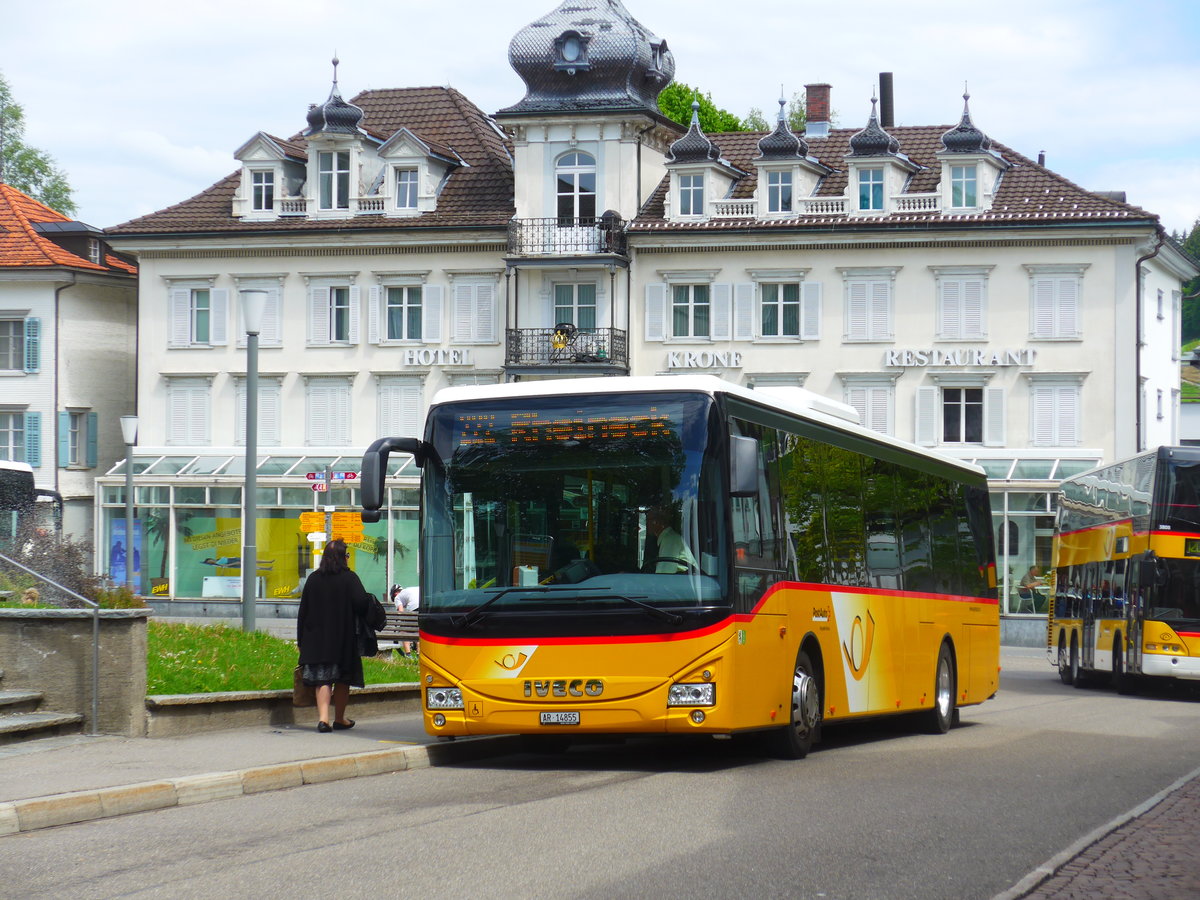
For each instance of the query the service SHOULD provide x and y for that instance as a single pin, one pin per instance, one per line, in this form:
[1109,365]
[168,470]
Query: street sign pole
[329,504]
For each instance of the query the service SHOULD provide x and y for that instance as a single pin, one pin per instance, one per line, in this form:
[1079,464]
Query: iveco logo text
[576,687]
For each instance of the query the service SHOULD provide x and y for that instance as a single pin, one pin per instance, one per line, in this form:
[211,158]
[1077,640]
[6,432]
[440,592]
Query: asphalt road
[876,811]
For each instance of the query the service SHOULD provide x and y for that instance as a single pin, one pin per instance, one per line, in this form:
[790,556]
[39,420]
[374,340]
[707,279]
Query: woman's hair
[334,558]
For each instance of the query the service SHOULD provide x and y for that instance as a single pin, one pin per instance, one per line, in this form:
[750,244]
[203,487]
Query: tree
[675,102]
[26,168]
[756,121]
[1191,308]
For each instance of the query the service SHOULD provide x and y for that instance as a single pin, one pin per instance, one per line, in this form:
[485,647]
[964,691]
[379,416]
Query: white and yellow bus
[1126,598]
[680,555]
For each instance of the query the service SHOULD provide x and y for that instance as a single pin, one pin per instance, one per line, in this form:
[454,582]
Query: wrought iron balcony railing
[566,237]
[547,347]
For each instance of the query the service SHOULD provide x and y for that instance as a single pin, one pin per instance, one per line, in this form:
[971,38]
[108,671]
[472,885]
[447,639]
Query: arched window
[575,177]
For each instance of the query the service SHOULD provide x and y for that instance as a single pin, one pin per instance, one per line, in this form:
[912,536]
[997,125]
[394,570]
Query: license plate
[560,718]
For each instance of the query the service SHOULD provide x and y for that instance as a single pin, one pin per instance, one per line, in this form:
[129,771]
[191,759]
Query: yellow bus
[1126,596]
[679,555]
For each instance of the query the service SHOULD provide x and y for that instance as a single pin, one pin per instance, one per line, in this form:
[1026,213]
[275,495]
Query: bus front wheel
[939,719]
[1122,681]
[795,739]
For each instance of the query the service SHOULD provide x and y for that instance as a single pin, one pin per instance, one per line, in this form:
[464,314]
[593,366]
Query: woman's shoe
[323,727]
[338,726]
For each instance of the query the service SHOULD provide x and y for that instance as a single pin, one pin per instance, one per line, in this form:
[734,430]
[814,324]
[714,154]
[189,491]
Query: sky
[142,103]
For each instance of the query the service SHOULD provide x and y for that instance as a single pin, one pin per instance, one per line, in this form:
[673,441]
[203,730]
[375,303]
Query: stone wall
[50,650]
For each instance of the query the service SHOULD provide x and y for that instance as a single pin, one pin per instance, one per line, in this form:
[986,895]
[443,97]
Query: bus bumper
[1187,667]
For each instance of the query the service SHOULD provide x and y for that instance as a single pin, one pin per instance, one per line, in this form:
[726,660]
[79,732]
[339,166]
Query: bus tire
[796,738]
[941,716]
[1066,666]
[1079,677]
[1122,681]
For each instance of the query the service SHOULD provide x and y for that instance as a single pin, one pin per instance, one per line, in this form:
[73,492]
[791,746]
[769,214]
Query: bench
[401,626]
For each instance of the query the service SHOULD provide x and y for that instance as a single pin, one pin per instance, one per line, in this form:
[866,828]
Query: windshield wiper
[473,615]
[476,613]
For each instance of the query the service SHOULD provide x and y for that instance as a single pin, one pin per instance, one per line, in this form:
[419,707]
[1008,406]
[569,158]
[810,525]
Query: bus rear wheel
[939,719]
[1079,677]
[795,739]
[1066,661]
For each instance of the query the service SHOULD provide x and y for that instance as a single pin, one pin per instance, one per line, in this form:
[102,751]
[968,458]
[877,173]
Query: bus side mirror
[1152,571]
[743,466]
[374,470]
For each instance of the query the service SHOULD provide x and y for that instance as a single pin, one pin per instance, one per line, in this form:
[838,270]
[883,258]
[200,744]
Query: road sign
[312,521]
[350,537]
[347,520]
[315,476]
[320,486]
[345,476]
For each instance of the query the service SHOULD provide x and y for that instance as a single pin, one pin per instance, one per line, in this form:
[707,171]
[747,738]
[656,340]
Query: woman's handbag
[302,694]
[365,628]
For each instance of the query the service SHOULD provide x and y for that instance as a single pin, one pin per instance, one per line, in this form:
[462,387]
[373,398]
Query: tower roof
[965,137]
[873,140]
[335,115]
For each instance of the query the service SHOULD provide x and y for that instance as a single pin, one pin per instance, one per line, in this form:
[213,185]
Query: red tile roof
[22,247]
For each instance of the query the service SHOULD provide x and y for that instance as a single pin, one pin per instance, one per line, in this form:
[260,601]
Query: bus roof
[11,466]
[786,399]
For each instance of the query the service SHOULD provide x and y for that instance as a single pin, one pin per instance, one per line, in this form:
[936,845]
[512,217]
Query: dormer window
[570,52]
[406,188]
[691,195]
[870,190]
[779,192]
[964,187]
[333,178]
[262,190]
[96,254]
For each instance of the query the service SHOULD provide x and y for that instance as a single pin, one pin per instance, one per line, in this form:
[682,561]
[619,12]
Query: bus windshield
[1181,507]
[16,500]
[592,508]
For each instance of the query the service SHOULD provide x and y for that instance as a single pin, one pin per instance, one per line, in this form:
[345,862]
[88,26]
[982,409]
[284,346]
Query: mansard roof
[26,227]
[1027,193]
[480,193]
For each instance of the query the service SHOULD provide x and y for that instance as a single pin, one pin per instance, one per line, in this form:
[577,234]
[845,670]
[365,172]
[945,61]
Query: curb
[32,814]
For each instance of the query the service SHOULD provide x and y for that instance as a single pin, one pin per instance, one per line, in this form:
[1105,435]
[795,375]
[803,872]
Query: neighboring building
[68,334]
[955,292]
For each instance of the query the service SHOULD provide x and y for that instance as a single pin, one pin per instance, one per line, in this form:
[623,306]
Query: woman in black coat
[332,600]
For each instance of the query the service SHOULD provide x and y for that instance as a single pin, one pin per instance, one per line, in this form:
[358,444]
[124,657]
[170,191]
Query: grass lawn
[201,659]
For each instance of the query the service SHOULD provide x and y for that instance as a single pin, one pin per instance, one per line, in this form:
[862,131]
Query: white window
[1054,415]
[327,412]
[779,192]
[961,307]
[406,188]
[963,187]
[262,190]
[779,310]
[333,314]
[576,304]
[474,311]
[406,313]
[189,411]
[575,180]
[968,412]
[402,313]
[870,189]
[333,179]
[77,433]
[1054,304]
[20,344]
[269,412]
[95,251]
[868,315]
[691,195]
[199,316]
[12,435]
[691,310]
[399,407]
[874,401]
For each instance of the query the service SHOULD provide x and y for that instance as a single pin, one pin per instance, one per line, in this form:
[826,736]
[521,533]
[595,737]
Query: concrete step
[19,701]
[33,725]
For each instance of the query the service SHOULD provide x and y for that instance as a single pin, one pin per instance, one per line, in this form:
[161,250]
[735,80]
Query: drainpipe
[57,329]
[1139,332]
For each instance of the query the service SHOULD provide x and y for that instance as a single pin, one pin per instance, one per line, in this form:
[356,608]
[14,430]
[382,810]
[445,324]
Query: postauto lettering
[562,687]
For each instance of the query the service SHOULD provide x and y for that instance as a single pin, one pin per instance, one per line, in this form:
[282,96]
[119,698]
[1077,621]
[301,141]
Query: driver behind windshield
[673,557]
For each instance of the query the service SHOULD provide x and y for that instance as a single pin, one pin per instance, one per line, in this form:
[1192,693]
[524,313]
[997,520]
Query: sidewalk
[59,781]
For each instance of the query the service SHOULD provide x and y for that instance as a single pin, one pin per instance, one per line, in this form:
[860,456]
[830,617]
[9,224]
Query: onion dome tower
[695,146]
[335,115]
[965,137]
[782,143]
[873,140]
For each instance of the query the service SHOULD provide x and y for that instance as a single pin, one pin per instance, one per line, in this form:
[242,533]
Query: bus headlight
[443,698]
[692,695]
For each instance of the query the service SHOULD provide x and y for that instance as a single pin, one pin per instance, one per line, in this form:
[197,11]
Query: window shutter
[810,311]
[318,315]
[355,312]
[464,309]
[927,416]
[64,439]
[93,439]
[993,417]
[950,308]
[879,405]
[1068,416]
[656,311]
[180,334]
[431,313]
[272,324]
[881,325]
[318,414]
[857,397]
[856,310]
[1067,307]
[239,413]
[33,439]
[721,312]
[400,408]
[218,334]
[269,414]
[972,309]
[485,322]
[374,313]
[1042,320]
[743,311]
[33,340]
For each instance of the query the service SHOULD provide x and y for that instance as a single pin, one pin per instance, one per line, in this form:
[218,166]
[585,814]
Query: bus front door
[1087,648]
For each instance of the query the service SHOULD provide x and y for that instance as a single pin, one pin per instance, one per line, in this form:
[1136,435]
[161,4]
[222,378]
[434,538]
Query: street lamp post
[253,306]
[129,427]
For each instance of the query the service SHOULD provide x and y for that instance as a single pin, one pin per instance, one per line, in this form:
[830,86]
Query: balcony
[598,351]
[556,238]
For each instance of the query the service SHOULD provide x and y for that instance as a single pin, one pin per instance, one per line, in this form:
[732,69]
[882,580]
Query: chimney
[887,113]
[1041,157]
[816,110]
